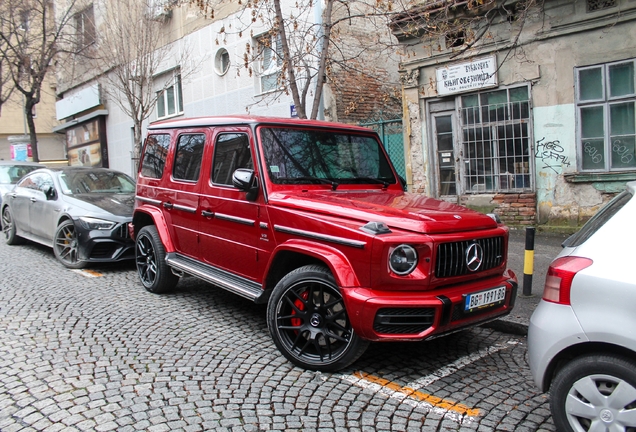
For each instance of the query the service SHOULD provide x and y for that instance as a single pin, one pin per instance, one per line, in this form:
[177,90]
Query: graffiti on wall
[550,154]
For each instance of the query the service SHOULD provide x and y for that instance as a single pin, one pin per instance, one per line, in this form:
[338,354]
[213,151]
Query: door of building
[447,155]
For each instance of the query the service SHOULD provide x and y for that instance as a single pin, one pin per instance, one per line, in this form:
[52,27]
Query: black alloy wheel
[66,247]
[8,228]
[150,256]
[308,321]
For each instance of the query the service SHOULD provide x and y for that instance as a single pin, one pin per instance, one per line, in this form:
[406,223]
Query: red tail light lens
[558,281]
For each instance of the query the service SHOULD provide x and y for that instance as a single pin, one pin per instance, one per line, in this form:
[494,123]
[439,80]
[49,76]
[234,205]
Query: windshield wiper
[334,184]
[384,183]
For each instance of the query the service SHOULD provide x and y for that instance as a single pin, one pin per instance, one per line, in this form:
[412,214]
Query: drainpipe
[318,21]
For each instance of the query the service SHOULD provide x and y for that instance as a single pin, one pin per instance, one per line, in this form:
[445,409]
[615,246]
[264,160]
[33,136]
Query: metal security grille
[390,132]
[496,137]
[594,5]
[451,257]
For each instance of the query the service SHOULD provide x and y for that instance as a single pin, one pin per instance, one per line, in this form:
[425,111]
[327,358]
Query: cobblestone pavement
[93,351]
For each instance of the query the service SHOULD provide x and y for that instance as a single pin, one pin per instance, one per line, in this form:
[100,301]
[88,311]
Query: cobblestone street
[92,350]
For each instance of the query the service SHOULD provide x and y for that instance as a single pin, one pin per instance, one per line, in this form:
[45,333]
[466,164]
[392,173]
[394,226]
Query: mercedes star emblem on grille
[474,257]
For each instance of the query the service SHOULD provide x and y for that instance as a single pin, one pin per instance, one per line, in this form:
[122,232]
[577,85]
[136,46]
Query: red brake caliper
[296,322]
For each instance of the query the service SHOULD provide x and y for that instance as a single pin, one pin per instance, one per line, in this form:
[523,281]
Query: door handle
[168,205]
[33,199]
[207,213]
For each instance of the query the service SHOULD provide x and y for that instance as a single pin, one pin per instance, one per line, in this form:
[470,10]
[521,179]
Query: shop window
[606,114]
[496,141]
[270,61]
[170,100]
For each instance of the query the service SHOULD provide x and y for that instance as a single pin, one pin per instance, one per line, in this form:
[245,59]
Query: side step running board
[228,281]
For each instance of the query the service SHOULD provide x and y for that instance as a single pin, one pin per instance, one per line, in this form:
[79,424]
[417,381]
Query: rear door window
[188,156]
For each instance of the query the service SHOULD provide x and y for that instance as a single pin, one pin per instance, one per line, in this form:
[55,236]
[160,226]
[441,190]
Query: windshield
[79,182]
[297,156]
[11,174]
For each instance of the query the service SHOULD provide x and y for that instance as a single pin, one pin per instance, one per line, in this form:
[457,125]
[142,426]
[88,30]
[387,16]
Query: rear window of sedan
[10,174]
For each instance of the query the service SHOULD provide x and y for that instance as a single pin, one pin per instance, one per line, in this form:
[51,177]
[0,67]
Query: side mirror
[50,193]
[245,180]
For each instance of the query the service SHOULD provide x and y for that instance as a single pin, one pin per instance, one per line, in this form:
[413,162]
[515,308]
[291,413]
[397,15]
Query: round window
[222,61]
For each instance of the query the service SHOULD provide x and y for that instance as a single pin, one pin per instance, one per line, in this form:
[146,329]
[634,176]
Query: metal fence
[390,132]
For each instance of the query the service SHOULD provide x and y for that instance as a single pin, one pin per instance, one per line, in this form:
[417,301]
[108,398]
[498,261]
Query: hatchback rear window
[598,220]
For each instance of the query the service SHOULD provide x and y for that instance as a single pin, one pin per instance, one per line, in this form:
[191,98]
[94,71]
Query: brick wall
[516,209]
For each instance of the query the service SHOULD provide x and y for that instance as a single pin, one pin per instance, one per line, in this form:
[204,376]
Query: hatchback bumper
[553,328]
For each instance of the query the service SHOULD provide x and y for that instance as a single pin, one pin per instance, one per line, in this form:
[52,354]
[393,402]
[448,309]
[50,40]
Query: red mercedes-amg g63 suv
[311,218]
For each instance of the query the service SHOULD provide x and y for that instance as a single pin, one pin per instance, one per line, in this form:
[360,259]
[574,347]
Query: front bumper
[415,316]
[553,328]
[105,245]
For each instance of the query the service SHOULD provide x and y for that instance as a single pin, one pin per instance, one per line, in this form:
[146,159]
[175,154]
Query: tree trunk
[287,63]
[33,138]
[324,51]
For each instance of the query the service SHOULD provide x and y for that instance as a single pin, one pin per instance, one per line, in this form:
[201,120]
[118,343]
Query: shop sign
[468,76]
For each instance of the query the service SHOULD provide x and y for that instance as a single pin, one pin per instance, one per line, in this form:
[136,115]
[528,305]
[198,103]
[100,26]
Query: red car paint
[286,225]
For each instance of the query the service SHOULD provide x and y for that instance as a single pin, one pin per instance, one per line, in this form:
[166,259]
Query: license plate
[485,298]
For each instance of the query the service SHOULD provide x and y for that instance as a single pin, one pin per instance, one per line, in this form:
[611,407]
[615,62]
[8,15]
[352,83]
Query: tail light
[558,281]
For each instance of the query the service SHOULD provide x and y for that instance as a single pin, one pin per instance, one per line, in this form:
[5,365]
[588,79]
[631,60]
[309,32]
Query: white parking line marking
[409,394]
[458,364]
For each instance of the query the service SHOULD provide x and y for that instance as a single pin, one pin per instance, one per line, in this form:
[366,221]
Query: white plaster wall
[205,93]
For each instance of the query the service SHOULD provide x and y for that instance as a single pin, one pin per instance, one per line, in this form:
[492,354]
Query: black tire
[66,247]
[308,322]
[586,391]
[8,228]
[150,255]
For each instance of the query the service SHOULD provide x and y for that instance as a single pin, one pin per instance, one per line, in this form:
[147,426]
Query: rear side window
[598,220]
[188,156]
[232,151]
[155,154]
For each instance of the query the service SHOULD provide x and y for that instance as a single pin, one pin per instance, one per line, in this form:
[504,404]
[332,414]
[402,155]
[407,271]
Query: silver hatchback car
[582,336]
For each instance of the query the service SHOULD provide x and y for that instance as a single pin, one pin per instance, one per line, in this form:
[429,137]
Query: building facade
[14,133]
[535,121]
[233,68]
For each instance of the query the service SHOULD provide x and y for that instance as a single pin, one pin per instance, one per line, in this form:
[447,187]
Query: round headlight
[403,260]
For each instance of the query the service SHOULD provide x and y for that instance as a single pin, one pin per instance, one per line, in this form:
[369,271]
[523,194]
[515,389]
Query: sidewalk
[546,247]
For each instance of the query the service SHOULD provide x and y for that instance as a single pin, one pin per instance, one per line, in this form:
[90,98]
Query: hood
[405,211]
[116,204]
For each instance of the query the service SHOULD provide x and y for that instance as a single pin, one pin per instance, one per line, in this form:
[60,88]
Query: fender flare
[338,263]
[160,223]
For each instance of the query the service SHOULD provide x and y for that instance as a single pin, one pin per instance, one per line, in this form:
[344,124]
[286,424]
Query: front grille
[104,250]
[403,320]
[121,231]
[451,257]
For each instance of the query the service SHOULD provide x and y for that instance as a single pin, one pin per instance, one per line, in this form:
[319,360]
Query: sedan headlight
[403,259]
[96,224]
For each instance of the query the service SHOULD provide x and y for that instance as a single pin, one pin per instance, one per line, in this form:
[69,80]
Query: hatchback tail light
[558,281]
